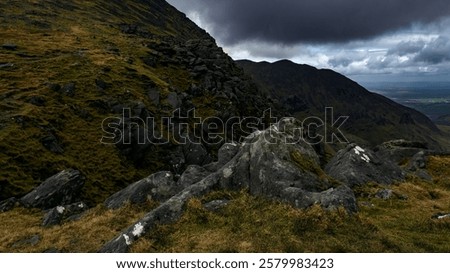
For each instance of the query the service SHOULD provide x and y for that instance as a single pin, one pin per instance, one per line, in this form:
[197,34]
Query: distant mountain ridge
[303,90]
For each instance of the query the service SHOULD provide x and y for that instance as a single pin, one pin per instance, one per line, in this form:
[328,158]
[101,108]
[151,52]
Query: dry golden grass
[88,234]
[256,224]
[252,224]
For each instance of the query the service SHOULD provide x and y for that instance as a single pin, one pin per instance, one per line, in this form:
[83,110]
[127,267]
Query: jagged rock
[216,205]
[9,46]
[227,152]
[399,150]
[417,165]
[56,215]
[8,204]
[341,196]
[159,186]
[332,198]
[272,163]
[168,212]
[274,155]
[418,161]
[357,166]
[192,175]
[384,194]
[58,190]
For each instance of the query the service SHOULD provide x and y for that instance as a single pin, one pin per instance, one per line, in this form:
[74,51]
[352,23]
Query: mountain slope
[303,90]
[67,66]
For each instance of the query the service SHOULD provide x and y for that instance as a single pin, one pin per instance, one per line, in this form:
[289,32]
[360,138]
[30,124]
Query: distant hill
[303,91]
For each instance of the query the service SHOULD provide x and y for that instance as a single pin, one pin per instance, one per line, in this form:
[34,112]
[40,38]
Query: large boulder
[399,151]
[274,157]
[58,190]
[355,166]
[159,187]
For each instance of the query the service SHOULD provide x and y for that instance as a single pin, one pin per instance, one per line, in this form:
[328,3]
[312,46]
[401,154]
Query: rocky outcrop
[272,163]
[399,151]
[417,165]
[159,187]
[60,213]
[168,212]
[58,190]
[8,204]
[357,166]
[191,175]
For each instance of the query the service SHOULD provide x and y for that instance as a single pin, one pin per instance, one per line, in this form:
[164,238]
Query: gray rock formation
[8,204]
[192,175]
[357,166]
[417,166]
[58,214]
[58,190]
[159,186]
[168,212]
[399,151]
[272,163]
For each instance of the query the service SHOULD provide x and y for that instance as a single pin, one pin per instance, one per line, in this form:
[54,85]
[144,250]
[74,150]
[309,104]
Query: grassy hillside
[66,66]
[253,224]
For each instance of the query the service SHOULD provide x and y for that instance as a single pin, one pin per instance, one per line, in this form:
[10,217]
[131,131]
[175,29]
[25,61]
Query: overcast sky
[367,40]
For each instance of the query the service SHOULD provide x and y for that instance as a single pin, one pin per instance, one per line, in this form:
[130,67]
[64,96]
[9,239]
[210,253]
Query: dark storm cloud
[435,52]
[407,47]
[294,21]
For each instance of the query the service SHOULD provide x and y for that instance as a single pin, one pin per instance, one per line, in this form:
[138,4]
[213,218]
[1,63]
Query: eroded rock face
[355,165]
[58,190]
[159,186]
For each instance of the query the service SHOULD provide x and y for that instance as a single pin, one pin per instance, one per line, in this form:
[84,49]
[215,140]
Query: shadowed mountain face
[66,66]
[303,91]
